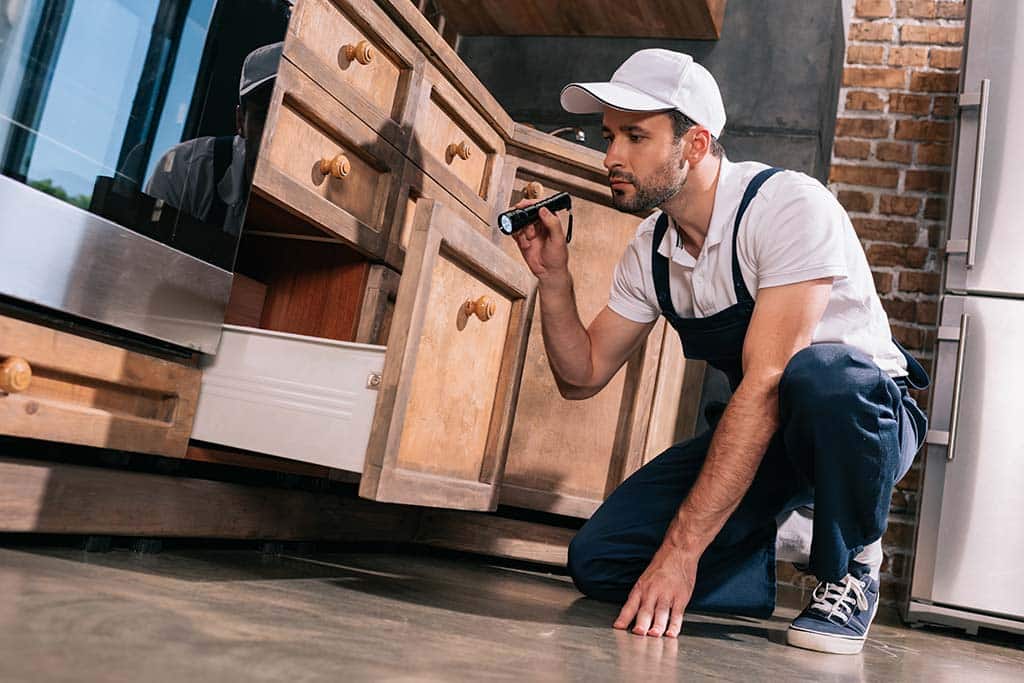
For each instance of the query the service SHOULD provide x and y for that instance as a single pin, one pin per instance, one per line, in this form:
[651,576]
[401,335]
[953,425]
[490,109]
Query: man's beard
[649,195]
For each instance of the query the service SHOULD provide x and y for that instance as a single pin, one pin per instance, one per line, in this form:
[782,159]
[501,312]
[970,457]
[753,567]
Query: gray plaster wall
[778,64]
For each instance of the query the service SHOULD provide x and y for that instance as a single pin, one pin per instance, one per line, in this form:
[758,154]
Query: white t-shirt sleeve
[629,296]
[799,236]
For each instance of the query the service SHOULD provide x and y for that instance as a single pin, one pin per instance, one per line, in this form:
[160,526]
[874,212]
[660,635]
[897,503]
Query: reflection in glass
[133,110]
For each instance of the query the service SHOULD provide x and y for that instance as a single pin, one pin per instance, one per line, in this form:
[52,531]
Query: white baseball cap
[259,67]
[653,80]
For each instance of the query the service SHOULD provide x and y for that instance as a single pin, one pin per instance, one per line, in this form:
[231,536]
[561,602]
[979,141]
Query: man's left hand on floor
[657,602]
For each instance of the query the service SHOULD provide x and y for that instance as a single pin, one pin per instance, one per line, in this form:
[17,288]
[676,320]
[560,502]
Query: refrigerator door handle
[958,375]
[980,100]
[938,437]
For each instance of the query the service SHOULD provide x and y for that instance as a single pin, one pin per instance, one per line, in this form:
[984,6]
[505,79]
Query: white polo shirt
[794,230]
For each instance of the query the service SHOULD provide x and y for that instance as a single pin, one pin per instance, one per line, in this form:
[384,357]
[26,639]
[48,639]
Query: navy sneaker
[838,618]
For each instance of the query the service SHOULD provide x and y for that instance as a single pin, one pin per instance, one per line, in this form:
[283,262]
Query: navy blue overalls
[847,433]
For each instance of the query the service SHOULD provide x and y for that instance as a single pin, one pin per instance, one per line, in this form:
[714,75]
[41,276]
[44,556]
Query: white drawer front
[295,397]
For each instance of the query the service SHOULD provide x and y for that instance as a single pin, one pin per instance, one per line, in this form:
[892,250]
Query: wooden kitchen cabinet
[383,331]
[453,425]
[441,397]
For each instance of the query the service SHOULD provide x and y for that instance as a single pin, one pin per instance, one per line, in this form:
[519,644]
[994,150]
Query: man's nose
[612,158]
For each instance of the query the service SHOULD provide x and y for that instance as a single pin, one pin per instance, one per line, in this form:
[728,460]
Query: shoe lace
[836,601]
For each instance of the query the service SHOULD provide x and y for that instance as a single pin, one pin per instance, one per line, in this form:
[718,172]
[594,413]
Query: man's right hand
[543,246]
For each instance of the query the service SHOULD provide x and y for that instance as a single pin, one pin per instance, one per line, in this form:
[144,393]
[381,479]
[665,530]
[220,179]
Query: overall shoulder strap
[222,157]
[222,153]
[742,293]
[659,268]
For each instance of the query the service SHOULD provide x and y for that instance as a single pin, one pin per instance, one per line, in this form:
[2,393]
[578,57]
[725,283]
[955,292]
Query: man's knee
[827,377]
[581,562]
[594,568]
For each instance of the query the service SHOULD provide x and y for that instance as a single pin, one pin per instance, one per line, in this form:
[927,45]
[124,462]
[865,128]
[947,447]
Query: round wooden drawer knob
[15,375]
[482,308]
[338,167]
[460,150]
[361,52]
[533,190]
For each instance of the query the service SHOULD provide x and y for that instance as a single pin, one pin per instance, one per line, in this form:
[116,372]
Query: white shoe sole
[826,642]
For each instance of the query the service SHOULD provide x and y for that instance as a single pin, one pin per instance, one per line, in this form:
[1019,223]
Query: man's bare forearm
[736,451]
[565,338]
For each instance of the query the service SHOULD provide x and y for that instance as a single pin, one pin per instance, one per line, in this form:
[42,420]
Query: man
[209,177]
[761,274]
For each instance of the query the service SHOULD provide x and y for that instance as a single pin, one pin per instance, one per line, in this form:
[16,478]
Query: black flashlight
[514,220]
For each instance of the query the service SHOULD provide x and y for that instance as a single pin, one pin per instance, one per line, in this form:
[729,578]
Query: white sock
[872,557]
[793,541]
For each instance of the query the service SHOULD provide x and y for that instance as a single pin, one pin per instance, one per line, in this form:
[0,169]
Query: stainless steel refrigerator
[969,559]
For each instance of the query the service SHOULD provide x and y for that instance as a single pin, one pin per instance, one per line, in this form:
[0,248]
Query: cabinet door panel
[442,371]
[451,376]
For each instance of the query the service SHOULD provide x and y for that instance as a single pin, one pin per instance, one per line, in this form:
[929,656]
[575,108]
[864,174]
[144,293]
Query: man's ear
[240,120]
[699,145]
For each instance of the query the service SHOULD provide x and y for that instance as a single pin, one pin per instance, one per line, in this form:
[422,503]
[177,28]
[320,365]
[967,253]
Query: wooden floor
[223,616]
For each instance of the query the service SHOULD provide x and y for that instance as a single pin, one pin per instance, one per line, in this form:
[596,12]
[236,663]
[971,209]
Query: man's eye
[635,138]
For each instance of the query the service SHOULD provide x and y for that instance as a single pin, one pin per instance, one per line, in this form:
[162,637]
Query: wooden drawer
[455,145]
[415,187]
[352,50]
[443,410]
[86,392]
[309,136]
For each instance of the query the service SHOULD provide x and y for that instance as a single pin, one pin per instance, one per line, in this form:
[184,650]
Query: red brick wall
[890,169]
